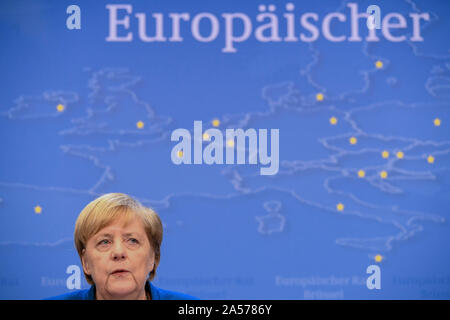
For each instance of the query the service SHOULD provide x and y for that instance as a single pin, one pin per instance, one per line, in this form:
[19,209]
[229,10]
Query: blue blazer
[156,294]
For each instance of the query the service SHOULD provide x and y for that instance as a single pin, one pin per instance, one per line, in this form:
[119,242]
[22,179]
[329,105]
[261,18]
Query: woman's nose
[118,251]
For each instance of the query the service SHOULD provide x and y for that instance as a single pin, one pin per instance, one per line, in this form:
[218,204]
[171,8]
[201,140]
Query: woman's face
[119,259]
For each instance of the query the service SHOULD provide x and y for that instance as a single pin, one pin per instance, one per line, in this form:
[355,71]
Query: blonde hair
[109,207]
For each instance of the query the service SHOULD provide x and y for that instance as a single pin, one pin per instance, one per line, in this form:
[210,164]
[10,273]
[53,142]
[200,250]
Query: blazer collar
[149,287]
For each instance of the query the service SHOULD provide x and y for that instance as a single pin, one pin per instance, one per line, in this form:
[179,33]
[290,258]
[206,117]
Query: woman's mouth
[120,272]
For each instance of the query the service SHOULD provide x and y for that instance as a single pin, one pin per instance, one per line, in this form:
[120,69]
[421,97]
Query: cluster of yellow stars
[384,154]
[333,121]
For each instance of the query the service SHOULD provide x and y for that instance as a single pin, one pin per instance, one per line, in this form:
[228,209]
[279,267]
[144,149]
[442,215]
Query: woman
[118,241]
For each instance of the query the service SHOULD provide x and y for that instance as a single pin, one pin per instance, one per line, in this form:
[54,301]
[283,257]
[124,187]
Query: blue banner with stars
[293,149]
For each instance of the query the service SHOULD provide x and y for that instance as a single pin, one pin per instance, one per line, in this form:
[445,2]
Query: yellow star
[383,174]
[37,209]
[140,124]
[333,120]
[319,97]
[430,159]
[437,122]
[385,154]
[216,122]
[378,258]
[60,108]
[379,64]
[340,206]
[361,173]
[353,140]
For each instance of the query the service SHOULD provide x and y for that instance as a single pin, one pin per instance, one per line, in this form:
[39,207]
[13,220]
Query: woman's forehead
[124,226]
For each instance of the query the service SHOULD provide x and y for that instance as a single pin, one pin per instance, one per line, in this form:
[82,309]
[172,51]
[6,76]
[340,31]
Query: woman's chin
[121,288]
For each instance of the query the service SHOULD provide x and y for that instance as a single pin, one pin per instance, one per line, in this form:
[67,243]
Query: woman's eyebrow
[129,234]
[133,234]
[108,235]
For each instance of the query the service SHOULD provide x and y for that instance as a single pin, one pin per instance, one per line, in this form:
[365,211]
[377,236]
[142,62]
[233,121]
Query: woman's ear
[153,261]
[85,263]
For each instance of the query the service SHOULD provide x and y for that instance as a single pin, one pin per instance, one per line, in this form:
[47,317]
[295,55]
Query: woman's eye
[133,241]
[103,242]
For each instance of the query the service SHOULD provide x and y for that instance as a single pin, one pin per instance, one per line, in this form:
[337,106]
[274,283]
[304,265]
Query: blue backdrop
[81,116]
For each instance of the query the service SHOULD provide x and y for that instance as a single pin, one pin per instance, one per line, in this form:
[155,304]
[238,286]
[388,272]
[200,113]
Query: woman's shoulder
[161,294]
[85,294]
[156,293]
